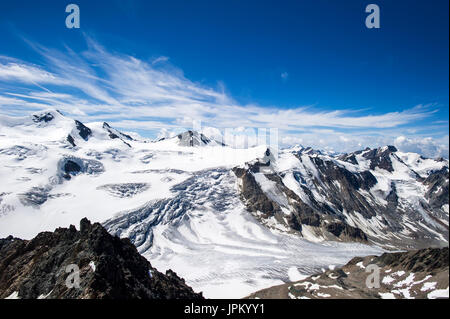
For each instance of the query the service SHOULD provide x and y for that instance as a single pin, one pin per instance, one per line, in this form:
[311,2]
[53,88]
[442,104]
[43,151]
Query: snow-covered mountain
[230,221]
[380,196]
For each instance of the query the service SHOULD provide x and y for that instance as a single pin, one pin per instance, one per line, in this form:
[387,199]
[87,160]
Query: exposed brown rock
[415,274]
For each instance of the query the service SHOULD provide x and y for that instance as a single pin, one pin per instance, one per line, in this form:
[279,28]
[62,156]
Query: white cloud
[427,145]
[160,59]
[340,142]
[400,139]
[165,133]
[100,85]
[26,73]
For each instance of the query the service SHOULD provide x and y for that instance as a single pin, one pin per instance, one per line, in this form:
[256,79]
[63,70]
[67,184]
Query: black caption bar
[238,308]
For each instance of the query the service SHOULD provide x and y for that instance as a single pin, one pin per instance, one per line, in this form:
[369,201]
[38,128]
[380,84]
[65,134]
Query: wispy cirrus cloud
[98,84]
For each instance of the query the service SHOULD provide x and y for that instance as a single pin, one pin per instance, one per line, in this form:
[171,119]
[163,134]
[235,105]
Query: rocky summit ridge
[109,268]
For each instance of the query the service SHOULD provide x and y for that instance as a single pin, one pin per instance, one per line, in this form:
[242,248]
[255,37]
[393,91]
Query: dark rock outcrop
[191,138]
[428,260]
[71,140]
[113,133]
[109,268]
[70,167]
[44,117]
[380,157]
[252,193]
[84,131]
[438,183]
[342,230]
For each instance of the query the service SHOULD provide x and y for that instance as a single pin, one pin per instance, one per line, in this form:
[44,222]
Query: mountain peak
[113,133]
[46,116]
[192,138]
[387,149]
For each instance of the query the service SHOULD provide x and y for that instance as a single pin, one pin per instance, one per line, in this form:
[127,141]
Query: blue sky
[309,68]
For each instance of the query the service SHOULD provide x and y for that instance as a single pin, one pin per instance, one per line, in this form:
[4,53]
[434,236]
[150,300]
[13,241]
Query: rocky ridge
[372,196]
[109,268]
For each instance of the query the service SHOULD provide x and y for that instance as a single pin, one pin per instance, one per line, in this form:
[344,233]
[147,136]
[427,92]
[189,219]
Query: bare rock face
[317,215]
[44,117]
[109,268]
[417,274]
[84,131]
[115,134]
[380,158]
[438,188]
[342,230]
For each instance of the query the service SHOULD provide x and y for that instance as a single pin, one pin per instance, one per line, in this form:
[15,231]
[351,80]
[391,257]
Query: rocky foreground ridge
[418,274]
[109,268]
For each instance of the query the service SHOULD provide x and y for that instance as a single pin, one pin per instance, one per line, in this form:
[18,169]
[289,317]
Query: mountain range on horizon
[229,221]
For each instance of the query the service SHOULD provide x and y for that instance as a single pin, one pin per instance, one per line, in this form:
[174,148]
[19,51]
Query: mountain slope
[373,196]
[407,275]
[110,268]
